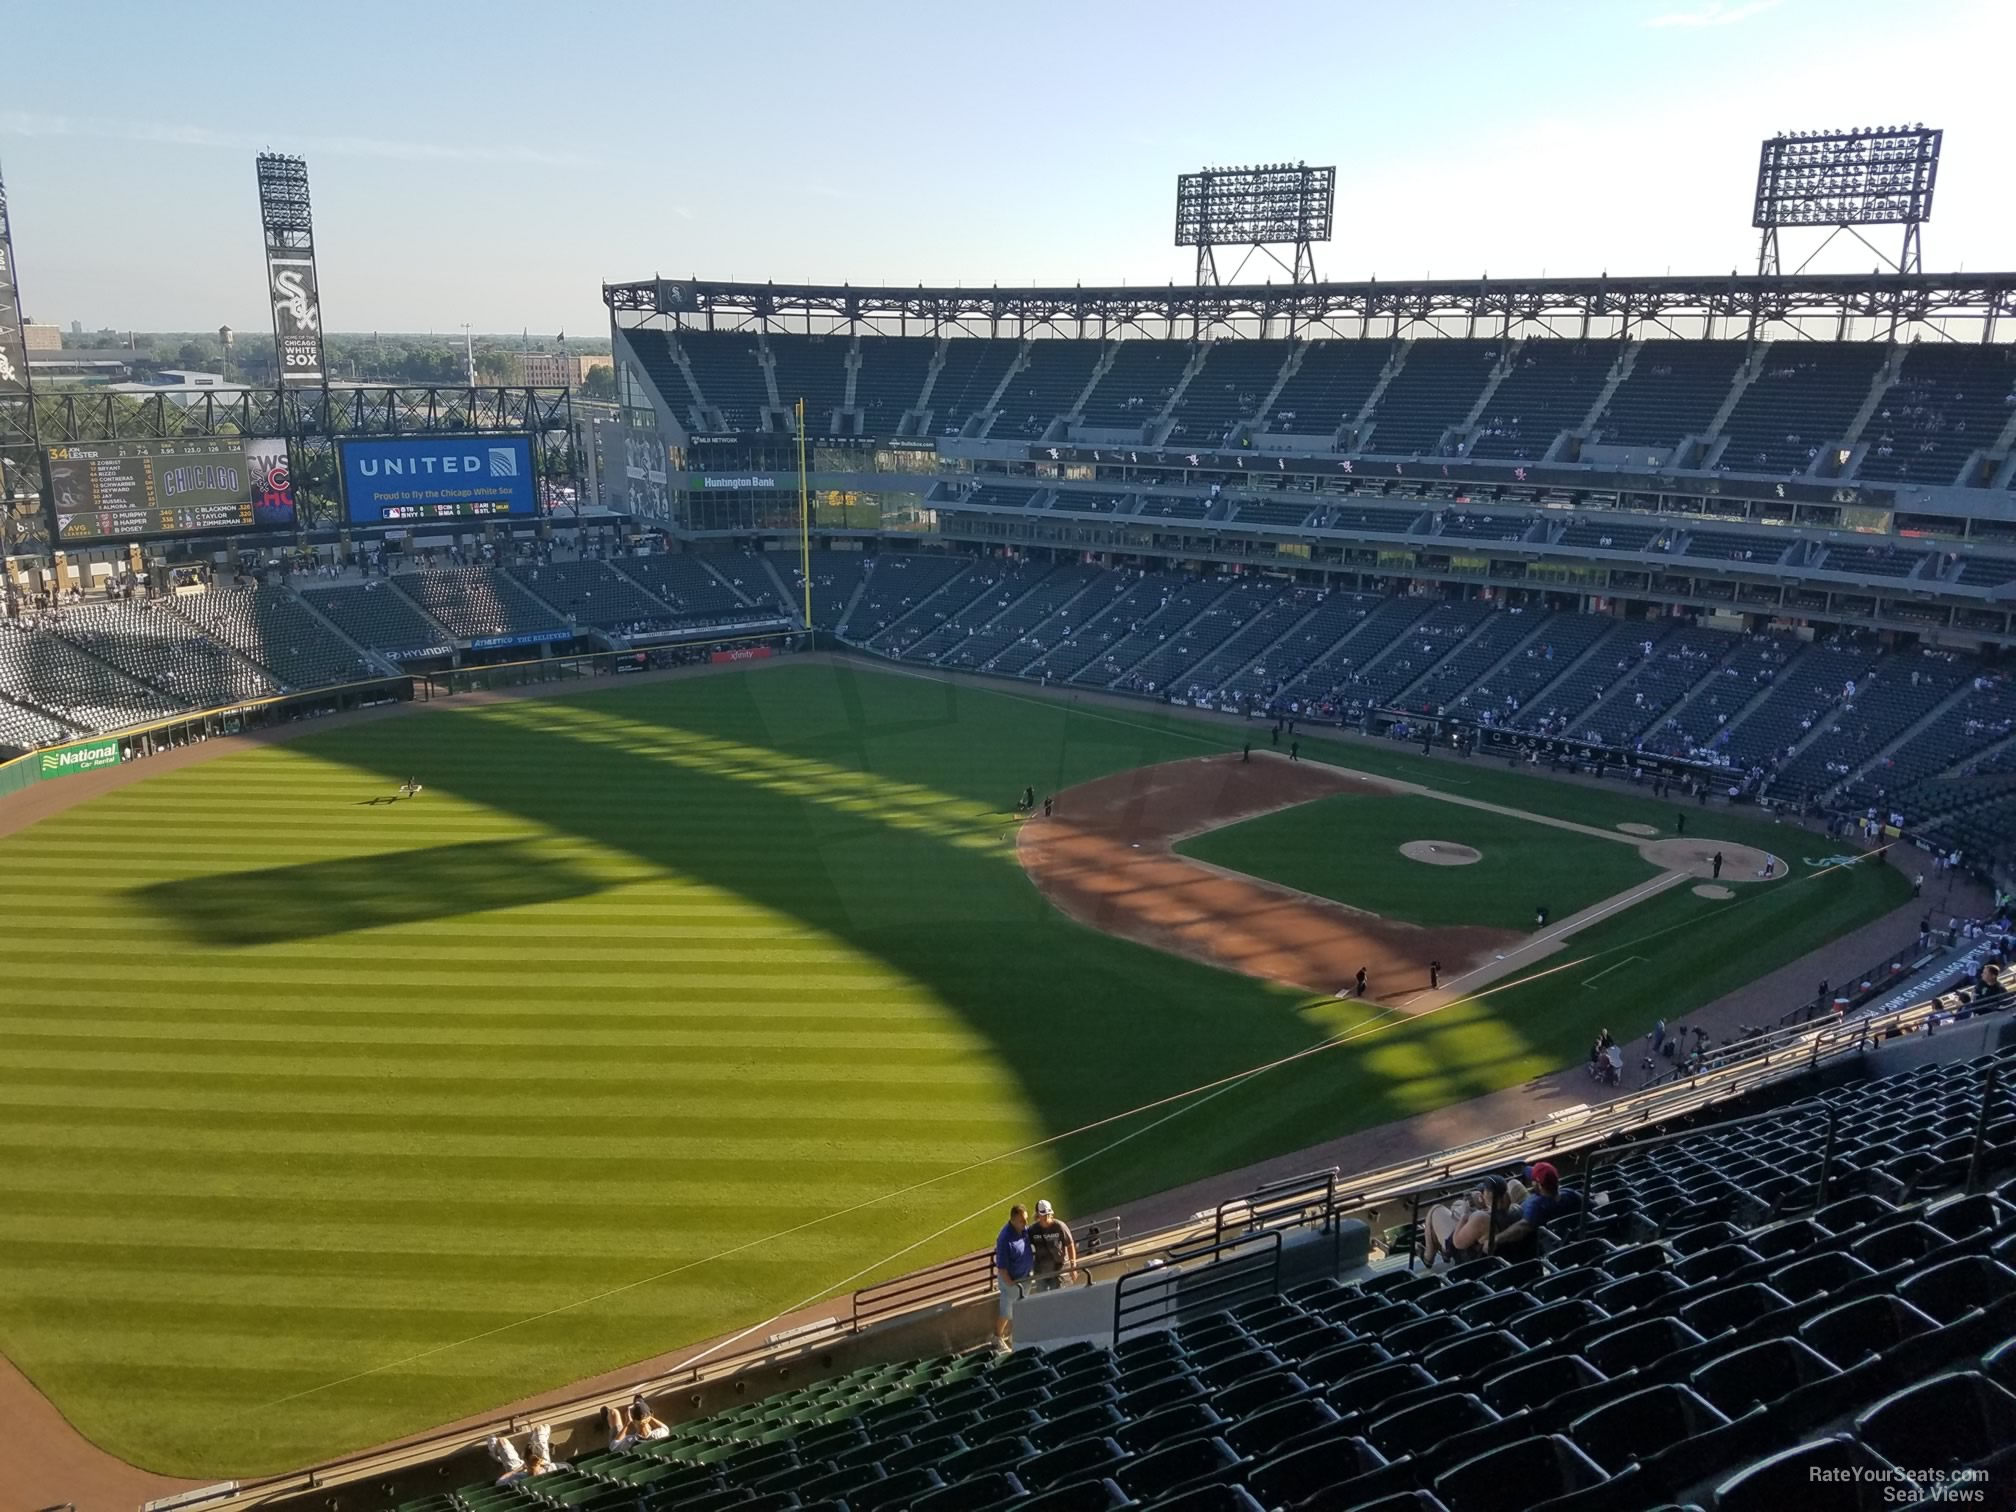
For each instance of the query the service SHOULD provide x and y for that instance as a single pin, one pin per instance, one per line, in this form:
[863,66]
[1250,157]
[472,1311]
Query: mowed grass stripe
[645,975]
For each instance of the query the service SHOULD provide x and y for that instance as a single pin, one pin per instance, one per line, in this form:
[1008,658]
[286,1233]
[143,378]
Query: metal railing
[1165,1291]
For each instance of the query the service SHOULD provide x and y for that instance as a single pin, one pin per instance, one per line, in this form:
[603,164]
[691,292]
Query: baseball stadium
[1232,897]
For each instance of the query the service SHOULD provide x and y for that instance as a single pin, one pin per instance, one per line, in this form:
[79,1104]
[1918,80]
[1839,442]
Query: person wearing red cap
[1546,1199]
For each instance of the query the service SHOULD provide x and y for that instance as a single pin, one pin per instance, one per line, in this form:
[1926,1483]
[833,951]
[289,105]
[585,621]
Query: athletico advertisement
[80,758]
[422,479]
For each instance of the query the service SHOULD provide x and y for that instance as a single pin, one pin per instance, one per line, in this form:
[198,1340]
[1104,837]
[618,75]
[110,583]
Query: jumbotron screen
[123,490]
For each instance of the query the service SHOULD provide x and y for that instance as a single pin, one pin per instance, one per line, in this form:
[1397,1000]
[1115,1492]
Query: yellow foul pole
[804,518]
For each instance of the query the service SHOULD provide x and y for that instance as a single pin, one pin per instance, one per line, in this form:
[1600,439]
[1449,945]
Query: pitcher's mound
[1638,829]
[1440,853]
[1740,863]
[1712,890]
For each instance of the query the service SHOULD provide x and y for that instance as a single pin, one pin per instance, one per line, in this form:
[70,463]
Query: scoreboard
[123,490]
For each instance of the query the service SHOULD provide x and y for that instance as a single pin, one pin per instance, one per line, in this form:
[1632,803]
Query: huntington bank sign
[80,758]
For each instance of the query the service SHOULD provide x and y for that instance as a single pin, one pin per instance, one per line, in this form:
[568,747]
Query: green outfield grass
[1348,849]
[327,1119]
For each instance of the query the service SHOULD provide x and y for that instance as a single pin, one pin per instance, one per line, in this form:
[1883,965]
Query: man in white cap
[1055,1250]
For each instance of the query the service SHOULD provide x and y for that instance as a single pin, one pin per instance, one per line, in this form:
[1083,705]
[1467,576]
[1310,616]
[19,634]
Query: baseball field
[330,1115]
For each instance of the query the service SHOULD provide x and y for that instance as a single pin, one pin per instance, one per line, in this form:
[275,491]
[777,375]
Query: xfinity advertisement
[430,479]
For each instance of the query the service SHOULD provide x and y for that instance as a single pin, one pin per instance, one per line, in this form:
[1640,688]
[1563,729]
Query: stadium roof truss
[1820,306]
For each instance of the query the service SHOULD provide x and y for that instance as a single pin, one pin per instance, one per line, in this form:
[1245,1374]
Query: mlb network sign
[435,477]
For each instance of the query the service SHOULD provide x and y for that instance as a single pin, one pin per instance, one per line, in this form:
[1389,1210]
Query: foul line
[1592,981]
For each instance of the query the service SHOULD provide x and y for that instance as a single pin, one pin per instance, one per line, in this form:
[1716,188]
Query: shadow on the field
[868,808]
[319,898]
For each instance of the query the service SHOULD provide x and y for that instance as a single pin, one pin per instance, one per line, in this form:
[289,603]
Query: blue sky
[494,163]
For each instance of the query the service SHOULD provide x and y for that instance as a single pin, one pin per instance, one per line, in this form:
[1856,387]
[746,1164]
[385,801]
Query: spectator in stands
[1053,1247]
[1014,1262]
[1468,1227]
[1545,1201]
[637,1426]
[537,1459]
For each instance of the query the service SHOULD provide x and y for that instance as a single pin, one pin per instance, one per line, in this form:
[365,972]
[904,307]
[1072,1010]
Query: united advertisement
[421,479]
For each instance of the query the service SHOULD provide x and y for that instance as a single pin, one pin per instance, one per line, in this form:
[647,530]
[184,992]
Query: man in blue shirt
[1014,1260]
[1546,1199]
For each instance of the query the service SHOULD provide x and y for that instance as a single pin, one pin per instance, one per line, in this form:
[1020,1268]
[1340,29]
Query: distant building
[41,337]
[556,369]
[181,386]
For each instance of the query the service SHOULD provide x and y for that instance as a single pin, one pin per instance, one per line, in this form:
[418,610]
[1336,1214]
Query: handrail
[1283,1203]
[1214,1284]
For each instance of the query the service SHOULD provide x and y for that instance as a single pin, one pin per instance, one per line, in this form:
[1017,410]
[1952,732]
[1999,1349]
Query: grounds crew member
[1054,1249]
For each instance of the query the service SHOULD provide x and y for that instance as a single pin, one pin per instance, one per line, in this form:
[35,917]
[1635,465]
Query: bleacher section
[812,368]
[835,576]
[1238,666]
[1047,386]
[1044,607]
[1680,659]
[1184,598]
[1448,682]
[477,603]
[897,583]
[1136,388]
[1697,727]
[683,583]
[890,379]
[23,729]
[1499,698]
[1900,692]
[1548,391]
[1984,717]
[377,615]
[1235,378]
[989,589]
[654,351]
[1949,400]
[1092,635]
[1800,695]
[1168,668]
[151,643]
[1329,388]
[972,371]
[1320,689]
[727,366]
[45,672]
[592,594]
[270,626]
[1336,616]
[1612,657]
[1412,655]
[1435,390]
[1673,391]
[1802,400]
[1796,1311]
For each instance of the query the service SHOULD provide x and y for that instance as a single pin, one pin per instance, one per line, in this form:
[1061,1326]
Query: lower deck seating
[375,614]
